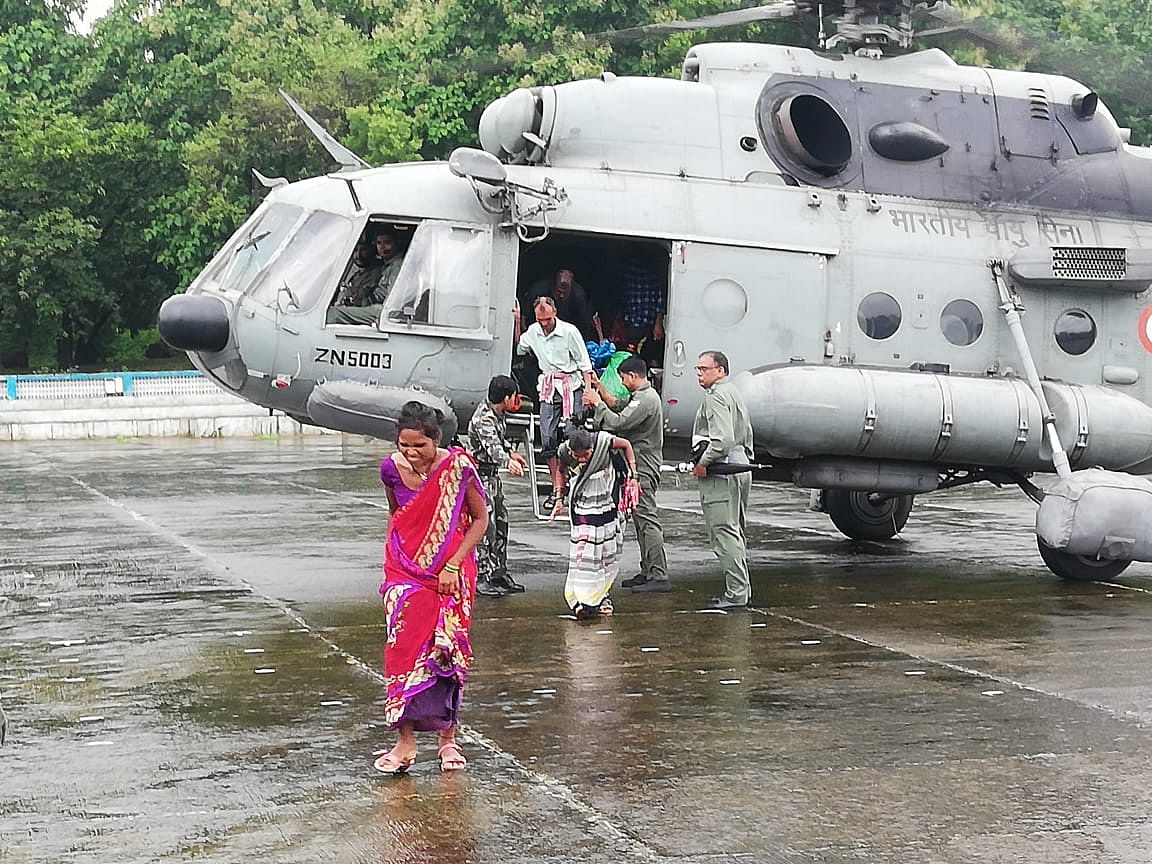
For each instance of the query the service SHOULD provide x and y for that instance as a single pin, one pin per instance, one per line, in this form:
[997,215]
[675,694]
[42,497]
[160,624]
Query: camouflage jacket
[487,434]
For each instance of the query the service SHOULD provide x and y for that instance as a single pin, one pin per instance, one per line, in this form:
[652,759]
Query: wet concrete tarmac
[190,639]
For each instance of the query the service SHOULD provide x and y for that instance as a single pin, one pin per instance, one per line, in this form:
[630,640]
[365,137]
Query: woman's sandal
[390,763]
[451,759]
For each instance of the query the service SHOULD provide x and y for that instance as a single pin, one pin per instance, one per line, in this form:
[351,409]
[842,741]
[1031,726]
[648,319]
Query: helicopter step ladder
[538,476]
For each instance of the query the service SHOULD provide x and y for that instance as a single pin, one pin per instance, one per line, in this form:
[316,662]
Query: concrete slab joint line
[190,638]
[550,785]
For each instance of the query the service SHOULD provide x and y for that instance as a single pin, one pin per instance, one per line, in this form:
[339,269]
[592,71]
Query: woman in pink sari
[439,514]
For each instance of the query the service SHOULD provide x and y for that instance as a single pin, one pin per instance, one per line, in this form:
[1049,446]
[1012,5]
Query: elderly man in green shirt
[722,422]
[639,419]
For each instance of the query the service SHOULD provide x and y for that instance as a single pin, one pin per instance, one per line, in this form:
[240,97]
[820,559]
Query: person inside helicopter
[361,276]
[641,282]
[368,280]
[572,303]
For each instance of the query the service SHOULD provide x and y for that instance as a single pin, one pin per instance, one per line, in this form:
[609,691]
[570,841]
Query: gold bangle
[452,568]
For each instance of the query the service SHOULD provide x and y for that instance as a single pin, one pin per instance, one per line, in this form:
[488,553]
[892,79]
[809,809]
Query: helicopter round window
[878,315]
[961,322]
[1075,332]
[725,302]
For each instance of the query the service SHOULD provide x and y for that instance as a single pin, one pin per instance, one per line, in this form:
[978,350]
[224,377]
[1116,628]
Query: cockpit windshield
[283,256]
[297,276]
[250,249]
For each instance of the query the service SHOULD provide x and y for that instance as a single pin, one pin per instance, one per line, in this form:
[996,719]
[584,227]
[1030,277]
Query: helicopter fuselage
[802,232]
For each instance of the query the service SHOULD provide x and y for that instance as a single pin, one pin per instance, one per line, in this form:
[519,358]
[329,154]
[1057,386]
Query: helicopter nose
[193,323]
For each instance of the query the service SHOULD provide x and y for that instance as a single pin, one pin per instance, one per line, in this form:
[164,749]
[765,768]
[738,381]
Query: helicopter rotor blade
[975,28]
[348,160]
[734,18]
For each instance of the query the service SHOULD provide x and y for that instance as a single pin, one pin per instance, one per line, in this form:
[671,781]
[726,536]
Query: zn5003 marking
[357,359]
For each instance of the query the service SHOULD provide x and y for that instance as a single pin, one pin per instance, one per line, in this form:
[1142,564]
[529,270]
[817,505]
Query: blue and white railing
[106,384]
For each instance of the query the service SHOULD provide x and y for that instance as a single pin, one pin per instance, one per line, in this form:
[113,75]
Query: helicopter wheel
[1079,568]
[867,515]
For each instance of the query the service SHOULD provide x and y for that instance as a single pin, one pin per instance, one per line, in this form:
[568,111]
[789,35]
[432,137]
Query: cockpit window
[297,277]
[444,279]
[250,249]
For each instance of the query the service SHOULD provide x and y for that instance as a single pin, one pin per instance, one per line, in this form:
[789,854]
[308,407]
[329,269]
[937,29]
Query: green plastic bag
[610,378]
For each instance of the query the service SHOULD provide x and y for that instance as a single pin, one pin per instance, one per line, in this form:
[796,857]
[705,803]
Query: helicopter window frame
[973,326]
[1062,337]
[867,320]
[416,302]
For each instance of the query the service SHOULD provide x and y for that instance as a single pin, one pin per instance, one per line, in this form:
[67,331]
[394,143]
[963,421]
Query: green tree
[1102,43]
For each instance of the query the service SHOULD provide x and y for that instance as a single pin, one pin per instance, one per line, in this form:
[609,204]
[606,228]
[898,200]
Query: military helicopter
[927,275]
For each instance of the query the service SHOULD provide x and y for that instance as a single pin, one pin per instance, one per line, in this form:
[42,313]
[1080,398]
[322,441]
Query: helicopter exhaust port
[814,133]
[190,322]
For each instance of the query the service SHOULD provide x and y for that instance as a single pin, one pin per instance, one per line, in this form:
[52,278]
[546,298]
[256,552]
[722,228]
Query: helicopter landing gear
[867,515]
[1079,568]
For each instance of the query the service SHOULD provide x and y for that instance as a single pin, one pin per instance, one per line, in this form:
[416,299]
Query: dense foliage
[126,152]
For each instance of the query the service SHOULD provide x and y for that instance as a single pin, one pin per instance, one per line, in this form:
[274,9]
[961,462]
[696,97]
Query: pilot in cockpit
[368,281]
[361,277]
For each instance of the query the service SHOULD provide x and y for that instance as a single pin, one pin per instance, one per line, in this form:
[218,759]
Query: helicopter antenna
[348,160]
[269,182]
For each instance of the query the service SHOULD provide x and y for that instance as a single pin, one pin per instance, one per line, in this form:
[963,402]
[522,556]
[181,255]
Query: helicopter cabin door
[757,306]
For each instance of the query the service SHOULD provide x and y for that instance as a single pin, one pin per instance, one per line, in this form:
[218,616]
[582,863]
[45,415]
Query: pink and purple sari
[428,652]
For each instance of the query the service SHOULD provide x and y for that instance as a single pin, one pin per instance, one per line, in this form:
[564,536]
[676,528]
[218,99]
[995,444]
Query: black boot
[490,588]
[510,585]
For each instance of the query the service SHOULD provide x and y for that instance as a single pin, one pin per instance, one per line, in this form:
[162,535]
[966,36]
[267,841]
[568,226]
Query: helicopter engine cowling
[630,124]
[947,420]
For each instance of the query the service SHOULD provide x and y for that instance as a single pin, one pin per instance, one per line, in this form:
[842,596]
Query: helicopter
[925,275]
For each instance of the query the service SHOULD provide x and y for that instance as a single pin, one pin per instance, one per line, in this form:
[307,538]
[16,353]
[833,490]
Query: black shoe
[726,602]
[489,588]
[652,586]
[585,613]
[502,580]
[638,579]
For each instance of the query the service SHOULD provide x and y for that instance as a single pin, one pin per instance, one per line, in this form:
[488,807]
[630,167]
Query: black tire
[867,515]
[1079,568]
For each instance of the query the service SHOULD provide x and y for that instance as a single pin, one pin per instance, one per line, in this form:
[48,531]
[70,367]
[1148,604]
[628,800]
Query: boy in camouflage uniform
[487,434]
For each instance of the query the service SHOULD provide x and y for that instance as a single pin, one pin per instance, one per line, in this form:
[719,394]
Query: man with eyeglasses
[723,432]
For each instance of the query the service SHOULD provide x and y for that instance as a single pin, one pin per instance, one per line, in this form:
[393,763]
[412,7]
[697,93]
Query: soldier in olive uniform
[487,440]
[640,419]
[392,259]
[723,430]
[371,284]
